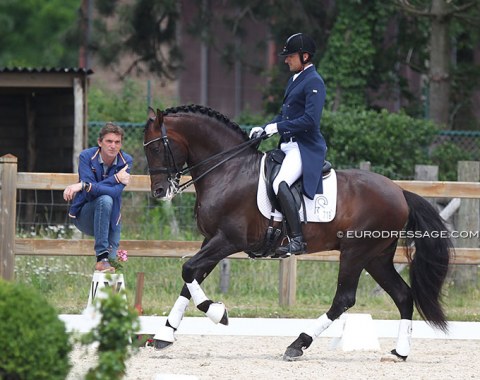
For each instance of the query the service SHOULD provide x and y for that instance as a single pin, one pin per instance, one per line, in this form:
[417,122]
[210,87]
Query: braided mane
[195,108]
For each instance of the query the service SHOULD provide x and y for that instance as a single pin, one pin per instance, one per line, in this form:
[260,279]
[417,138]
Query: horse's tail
[429,265]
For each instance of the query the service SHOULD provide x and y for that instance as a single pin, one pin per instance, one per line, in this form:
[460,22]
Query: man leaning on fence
[103,171]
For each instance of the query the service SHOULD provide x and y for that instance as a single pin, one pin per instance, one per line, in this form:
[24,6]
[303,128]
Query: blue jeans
[94,220]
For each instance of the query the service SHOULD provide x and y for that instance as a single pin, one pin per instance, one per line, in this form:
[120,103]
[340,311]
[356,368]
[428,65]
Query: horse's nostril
[159,192]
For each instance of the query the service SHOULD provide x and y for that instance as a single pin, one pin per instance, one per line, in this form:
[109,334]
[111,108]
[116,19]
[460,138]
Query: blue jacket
[300,119]
[91,170]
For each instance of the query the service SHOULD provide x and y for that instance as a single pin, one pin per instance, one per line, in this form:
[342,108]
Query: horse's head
[165,156]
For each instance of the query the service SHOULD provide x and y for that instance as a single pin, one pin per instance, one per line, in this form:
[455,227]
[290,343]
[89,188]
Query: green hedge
[392,142]
[33,341]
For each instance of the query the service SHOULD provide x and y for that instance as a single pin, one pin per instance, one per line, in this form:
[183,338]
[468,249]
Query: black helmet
[299,43]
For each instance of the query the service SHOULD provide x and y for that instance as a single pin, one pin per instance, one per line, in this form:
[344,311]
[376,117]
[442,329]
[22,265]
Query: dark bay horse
[225,168]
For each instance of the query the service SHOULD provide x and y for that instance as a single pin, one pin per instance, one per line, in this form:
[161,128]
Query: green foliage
[348,59]
[392,142]
[114,334]
[169,220]
[128,105]
[33,33]
[34,343]
[137,28]
[446,156]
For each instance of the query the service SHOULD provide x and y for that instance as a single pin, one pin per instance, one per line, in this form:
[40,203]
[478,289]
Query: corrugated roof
[52,70]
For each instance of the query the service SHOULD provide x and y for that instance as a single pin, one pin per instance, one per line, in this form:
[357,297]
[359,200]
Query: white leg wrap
[215,312]
[166,334]
[404,337]
[319,326]
[177,312]
[196,292]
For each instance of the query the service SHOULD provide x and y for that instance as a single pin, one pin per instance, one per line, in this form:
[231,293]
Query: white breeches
[291,169]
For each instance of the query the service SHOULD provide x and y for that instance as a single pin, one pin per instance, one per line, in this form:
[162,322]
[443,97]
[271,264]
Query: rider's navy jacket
[90,169]
[300,119]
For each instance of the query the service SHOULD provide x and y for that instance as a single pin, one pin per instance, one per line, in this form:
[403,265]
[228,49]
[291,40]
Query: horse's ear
[159,116]
[151,113]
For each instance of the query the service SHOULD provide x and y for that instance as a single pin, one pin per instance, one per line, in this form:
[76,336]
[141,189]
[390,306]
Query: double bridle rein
[174,173]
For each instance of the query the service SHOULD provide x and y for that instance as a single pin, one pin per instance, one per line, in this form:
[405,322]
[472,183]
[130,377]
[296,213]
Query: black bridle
[174,173]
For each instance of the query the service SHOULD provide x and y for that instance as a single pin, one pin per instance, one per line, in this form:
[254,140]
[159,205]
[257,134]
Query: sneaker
[104,266]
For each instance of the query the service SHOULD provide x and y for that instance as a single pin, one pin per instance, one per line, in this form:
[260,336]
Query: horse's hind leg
[383,271]
[348,276]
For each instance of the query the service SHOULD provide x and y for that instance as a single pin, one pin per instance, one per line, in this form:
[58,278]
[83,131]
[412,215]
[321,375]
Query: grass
[253,290]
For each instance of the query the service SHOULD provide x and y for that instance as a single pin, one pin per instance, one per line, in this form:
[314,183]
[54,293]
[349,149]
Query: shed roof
[55,70]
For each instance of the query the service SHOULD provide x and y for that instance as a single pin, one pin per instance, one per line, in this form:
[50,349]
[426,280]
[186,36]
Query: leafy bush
[446,156]
[392,142]
[33,341]
[114,333]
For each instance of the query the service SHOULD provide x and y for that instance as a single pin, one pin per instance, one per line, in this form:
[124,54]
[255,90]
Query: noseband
[172,171]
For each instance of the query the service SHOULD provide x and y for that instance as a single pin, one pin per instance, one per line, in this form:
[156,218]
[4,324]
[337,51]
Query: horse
[225,165]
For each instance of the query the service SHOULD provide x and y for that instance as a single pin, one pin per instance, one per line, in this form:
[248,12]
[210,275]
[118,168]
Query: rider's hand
[271,129]
[256,132]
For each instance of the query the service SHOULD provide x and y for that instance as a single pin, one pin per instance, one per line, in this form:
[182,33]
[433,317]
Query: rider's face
[293,62]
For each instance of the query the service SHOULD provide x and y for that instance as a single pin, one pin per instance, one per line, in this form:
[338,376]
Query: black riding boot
[296,245]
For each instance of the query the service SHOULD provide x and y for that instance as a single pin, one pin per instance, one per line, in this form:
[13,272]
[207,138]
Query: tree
[142,29]
[349,56]
[34,33]
[442,14]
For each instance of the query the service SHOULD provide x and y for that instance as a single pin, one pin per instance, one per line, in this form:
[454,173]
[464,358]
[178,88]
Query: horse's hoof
[161,344]
[224,320]
[393,357]
[292,354]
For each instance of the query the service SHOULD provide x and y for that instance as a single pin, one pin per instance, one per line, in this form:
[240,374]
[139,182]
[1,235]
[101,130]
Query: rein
[178,173]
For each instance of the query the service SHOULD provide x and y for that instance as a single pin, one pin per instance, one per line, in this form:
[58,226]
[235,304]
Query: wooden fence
[11,180]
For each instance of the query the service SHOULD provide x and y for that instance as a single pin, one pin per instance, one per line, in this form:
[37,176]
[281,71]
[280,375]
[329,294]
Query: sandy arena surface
[248,357]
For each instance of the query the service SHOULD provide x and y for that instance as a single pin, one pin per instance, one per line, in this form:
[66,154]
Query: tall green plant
[114,333]
[350,52]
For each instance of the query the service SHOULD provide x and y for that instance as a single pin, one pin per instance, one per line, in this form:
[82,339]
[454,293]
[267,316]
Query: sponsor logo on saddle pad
[321,209]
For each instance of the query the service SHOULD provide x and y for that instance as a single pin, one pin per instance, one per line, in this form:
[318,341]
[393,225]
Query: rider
[298,124]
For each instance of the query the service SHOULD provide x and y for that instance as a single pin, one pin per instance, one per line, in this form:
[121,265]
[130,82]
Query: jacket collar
[300,78]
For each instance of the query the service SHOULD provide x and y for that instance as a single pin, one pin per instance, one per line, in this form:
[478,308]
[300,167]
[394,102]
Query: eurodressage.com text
[408,234]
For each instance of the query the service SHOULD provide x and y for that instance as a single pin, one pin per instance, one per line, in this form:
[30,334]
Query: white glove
[271,129]
[256,132]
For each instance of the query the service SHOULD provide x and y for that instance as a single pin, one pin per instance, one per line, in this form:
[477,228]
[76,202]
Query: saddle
[273,163]
[274,235]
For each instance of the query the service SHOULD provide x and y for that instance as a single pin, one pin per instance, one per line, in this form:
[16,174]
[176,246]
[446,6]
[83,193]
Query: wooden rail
[185,249]
[11,180]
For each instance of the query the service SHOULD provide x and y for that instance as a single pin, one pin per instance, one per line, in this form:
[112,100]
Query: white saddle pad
[321,209]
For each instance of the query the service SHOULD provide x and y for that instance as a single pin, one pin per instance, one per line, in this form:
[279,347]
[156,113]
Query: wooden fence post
[288,281]
[468,221]
[365,165]
[8,204]
[224,275]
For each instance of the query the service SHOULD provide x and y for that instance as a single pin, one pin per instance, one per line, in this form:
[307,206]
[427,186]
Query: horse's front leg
[165,336]
[205,260]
